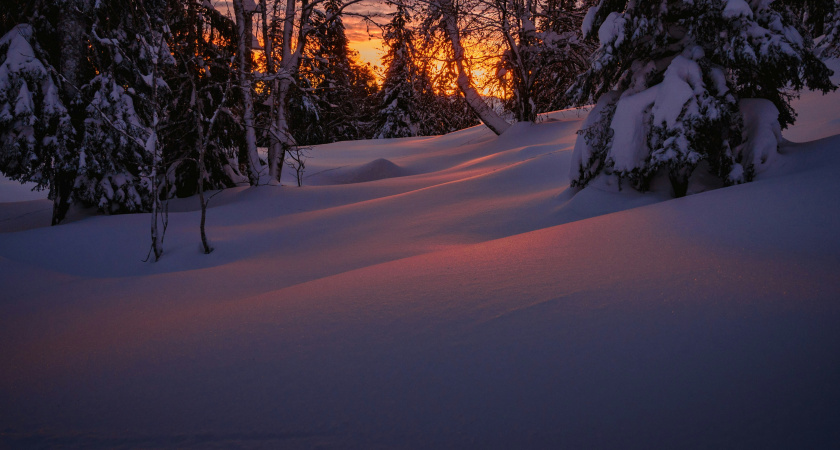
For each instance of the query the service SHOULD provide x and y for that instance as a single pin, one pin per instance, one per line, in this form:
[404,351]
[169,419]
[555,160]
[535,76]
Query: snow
[586,26]
[20,57]
[612,30]
[583,151]
[23,104]
[250,5]
[629,146]
[374,170]
[457,295]
[13,191]
[737,8]
[682,81]
[762,134]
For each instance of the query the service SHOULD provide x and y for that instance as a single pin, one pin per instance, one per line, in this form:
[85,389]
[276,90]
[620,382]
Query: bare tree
[450,14]
[534,47]
[544,50]
[282,63]
[297,161]
[159,52]
[204,141]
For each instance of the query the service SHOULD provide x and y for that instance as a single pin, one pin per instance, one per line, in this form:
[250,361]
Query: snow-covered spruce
[111,165]
[669,77]
[75,120]
[35,127]
[333,98]
[407,97]
[829,46]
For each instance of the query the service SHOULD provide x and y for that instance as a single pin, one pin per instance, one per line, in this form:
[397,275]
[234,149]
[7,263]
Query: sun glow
[366,40]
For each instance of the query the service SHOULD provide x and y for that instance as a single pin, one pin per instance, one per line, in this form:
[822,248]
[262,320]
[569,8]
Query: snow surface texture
[473,301]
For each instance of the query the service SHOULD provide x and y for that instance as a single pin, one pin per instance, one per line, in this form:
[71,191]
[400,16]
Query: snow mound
[377,169]
[762,134]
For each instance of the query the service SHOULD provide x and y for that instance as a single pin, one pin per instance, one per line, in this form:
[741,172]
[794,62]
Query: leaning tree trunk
[490,118]
[245,38]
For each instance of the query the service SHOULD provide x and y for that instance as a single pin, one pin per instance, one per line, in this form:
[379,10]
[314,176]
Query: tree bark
[281,137]
[245,38]
[487,115]
[202,174]
[73,45]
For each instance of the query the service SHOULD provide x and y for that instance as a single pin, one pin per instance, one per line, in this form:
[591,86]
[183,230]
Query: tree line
[122,104]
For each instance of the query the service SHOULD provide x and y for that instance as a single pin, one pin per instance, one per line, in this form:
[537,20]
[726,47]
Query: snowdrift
[455,295]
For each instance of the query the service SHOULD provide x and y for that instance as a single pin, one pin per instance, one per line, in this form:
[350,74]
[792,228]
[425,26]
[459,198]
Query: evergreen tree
[36,51]
[130,56]
[88,105]
[811,17]
[669,79]
[332,100]
[408,100]
[205,44]
[830,45]
[36,133]
[93,72]
[564,53]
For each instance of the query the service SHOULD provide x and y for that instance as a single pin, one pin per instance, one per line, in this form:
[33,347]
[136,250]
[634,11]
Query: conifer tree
[88,106]
[408,100]
[670,79]
[130,56]
[811,17]
[830,45]
[332,63]
[36,133]
[205,44]
[332,99]
[94,76]
[564,54]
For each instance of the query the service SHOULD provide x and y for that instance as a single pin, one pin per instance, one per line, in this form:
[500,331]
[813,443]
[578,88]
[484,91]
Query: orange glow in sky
[364,37]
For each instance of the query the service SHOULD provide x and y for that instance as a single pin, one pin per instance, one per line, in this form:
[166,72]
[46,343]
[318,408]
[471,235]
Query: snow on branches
[34,124]
[671,77]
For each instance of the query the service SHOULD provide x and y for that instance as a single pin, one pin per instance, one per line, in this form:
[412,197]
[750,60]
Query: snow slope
[445,292]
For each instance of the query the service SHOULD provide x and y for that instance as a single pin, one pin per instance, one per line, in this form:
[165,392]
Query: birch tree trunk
[487,115]
[202,174]
[159,219]
[274,146]
[281,137]
[245,39]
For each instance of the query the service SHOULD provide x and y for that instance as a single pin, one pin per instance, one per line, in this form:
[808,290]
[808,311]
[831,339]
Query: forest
[541,224]
[122,105]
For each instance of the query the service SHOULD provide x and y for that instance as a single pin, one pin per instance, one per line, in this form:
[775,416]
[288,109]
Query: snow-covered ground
[444,292]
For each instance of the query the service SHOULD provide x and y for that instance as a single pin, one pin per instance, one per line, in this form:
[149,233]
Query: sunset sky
[365,38]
